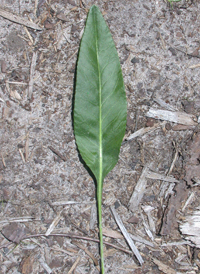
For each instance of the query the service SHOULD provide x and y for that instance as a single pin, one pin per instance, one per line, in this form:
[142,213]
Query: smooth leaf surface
[100,100]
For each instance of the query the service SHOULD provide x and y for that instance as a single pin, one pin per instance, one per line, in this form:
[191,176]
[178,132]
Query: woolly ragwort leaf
[100,100]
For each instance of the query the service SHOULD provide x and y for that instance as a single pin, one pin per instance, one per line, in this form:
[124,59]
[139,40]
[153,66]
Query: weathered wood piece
[19,20]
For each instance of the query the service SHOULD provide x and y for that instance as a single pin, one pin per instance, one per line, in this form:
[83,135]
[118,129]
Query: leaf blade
[100,101]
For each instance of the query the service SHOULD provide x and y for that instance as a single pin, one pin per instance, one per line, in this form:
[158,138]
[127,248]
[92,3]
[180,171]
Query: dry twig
[57,153]
[77,237]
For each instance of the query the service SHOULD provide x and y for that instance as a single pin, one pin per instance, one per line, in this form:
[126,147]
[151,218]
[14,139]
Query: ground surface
[159,50]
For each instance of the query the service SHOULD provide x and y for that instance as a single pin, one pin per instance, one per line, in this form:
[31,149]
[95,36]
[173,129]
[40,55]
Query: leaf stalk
[99,200]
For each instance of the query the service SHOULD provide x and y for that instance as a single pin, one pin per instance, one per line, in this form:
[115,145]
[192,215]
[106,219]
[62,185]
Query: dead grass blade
[126,235]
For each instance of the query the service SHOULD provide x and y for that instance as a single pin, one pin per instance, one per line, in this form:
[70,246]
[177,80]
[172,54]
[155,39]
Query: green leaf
[100,101]
[100,107]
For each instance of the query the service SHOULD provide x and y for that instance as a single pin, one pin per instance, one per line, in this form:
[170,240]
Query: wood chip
[29,35]
[3,160]
[126,235]
[169,224]
[195,66]
[162,177]
[191,227]
[74,265]
[32,72]
[22,155]
[163,267]
[87,252]
[147,209]
[147,228]
[15,95]
[66,202]
[18,19]
[45,266]
[182,127]
[175,117]
[177,243]
[189,200]
[69,251]
[143,131]
[17,220]
[163,104]
[53,224]
[141,240]
[27,148]
[26,265]
[112,233]
[139,190]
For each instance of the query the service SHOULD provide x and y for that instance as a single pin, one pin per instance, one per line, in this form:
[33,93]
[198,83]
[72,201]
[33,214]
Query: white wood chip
[163,104]
[162,177]
[126,235]
[17,83]
[191,227]
[177,243]
[14,94]
[189,200]
[180,258]
[139,190]
[18,19]
[147,228]
[45,265]
[144,130]
[195,66]
[115,234]
[175,117]
[147,209]
[141,240]
[53,224]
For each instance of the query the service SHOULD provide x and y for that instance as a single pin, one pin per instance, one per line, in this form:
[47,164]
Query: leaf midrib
[100,115]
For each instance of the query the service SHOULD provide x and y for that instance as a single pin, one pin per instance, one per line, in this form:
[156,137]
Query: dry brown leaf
[26,265]
[14,232]
[112,233]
